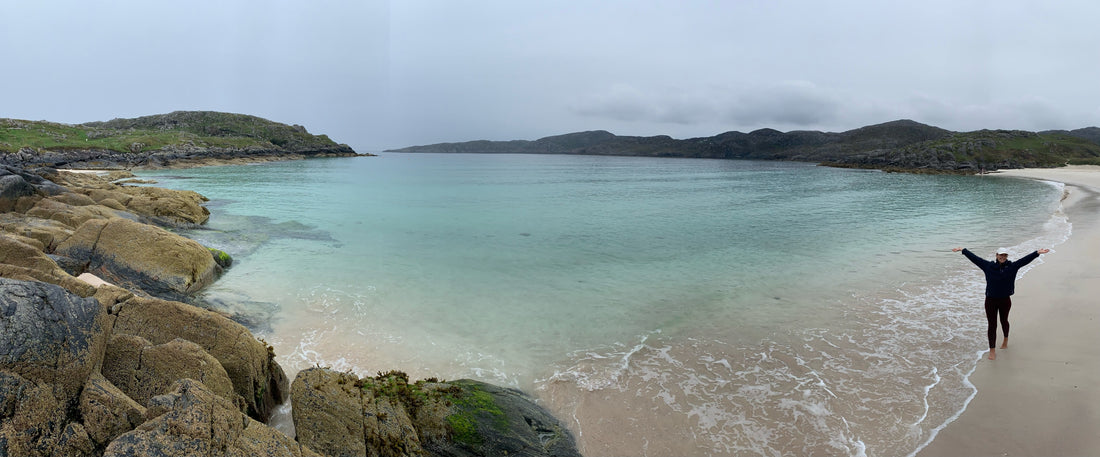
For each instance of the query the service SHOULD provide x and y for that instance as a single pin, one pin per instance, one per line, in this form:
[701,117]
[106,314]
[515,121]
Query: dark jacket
[1000,278]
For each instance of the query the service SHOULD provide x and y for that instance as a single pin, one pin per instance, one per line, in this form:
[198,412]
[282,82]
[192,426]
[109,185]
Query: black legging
[993,306]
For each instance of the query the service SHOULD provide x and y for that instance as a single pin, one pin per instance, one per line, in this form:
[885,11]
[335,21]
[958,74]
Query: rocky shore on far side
[100,356]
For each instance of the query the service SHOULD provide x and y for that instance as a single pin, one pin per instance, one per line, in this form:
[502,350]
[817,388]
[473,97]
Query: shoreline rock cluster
[124,367]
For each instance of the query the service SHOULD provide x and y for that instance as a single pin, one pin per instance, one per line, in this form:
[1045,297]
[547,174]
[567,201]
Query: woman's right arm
[980,262]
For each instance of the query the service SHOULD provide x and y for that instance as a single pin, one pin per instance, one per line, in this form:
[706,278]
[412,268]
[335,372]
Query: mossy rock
[399,417]
[485,419]
[222,258]
[459,418]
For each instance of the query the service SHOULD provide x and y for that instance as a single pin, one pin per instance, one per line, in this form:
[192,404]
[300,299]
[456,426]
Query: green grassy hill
[193,129]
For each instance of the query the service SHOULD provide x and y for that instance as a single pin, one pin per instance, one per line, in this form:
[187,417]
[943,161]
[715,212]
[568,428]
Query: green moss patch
[222,258]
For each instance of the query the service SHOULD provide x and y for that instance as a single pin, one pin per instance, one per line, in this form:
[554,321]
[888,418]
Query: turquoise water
[659,306]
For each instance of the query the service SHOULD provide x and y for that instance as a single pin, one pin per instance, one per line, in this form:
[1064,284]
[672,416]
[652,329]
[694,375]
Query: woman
[1000,284]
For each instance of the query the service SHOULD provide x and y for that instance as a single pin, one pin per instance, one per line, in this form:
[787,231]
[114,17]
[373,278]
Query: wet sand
[1042,394]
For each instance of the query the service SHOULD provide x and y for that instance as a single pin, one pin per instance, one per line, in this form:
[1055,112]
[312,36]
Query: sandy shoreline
[1040,397]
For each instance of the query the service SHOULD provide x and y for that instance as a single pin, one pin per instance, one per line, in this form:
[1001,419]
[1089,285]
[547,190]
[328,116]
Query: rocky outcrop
[191,420]
[72,382]
[164,140]
[339,414]
[152,204]
[141,257]
[50,336]
[142,370]
[50,342]
[88,376]
[112,231]
[249,363]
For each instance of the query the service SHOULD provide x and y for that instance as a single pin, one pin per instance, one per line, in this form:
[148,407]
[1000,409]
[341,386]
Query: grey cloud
[795,104]
[787,104]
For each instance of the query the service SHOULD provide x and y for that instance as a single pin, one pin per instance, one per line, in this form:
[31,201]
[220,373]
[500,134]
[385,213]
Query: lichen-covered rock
[328,412]
[161,206]
[47,232]
[49,335]
[142,370]
[71,215]
[107,411]
[32,418]
[50,341]
[19,260]
[166,206]
[249,363]
[193,421]
[141,257]
[396,418]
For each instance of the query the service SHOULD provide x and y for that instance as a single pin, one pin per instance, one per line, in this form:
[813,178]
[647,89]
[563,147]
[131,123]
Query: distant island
[181,138]
[901,145]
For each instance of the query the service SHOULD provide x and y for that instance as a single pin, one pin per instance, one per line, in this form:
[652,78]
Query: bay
[658,306]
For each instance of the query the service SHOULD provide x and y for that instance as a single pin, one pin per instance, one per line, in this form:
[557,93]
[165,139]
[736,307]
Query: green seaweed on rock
[222,258]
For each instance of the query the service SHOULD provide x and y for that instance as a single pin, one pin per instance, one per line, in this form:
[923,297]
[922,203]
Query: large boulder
[248,362]
[340,414]
[192,420]
[141,257]
[328,412]
[50,335]
[166,206]
[142,370]
[50,341]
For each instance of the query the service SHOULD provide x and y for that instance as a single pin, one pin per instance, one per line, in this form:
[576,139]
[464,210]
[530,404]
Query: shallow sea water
[658,306]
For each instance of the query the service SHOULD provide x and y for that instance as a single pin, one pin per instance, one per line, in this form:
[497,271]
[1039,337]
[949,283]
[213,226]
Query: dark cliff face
[903,144]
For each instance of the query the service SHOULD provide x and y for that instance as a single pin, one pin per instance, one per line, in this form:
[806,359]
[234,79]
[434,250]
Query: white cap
[1002,251]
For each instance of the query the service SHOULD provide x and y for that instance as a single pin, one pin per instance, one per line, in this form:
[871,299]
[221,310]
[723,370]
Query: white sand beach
[1042,394]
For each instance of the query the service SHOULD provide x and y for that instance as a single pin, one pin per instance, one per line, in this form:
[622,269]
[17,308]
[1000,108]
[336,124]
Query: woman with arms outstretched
[1000,284]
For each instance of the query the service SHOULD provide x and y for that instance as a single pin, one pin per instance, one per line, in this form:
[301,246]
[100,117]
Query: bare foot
[1004,344]
[992,354]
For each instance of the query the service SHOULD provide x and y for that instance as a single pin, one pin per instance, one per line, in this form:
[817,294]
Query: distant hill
[1089,133]
[163,139]
[902,144]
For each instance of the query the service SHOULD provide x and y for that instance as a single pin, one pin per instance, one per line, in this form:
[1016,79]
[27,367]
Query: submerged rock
[340,414]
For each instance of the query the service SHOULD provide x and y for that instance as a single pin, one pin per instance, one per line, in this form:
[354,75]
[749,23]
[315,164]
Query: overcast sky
[381,74]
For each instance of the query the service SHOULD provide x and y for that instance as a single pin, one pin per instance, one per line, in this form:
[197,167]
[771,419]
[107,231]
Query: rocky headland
[178,139]
[902,145]
[101,356]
